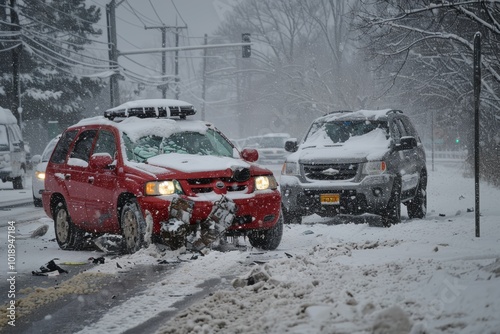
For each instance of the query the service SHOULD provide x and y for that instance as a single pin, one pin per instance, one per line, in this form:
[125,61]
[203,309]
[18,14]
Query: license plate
[329,199]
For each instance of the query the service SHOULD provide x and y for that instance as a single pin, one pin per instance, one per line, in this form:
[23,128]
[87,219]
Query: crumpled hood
[189,163]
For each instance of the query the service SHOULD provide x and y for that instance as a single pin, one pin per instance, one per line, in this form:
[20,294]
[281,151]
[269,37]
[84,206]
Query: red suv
[146,172]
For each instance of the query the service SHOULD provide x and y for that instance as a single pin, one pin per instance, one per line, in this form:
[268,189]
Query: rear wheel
[68,236]
[417,207]
[392,213]
[267,239]
[133,226]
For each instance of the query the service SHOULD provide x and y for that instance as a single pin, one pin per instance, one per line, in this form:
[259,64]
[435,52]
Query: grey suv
[368,161]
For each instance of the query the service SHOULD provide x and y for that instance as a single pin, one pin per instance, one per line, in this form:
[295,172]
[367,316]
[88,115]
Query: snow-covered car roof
[360,114]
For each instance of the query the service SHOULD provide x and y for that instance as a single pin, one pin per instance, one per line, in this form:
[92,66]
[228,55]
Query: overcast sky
[134,16]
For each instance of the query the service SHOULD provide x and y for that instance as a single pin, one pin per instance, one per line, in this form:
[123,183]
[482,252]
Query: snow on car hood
[196,163]
[370,146]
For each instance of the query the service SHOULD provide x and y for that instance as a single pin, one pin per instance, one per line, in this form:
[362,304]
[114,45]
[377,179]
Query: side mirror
[100,161]
[406,143]
[250,154]
[291,145]
[36,159]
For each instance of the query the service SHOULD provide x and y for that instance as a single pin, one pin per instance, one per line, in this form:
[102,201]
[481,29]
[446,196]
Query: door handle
[90,179]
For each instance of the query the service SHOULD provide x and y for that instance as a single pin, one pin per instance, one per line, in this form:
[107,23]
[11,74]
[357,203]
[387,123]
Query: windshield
[272,142]
[340,131]
[208,143]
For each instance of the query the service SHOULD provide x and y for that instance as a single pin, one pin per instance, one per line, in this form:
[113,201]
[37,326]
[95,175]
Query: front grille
[330,171]
[207,185]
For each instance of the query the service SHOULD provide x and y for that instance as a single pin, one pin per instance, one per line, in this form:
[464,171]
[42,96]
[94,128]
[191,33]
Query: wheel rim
[130,229]
[62,225]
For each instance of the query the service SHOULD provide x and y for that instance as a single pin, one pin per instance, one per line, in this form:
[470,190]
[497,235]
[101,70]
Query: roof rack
[396,111]
[338,112]
[154,108]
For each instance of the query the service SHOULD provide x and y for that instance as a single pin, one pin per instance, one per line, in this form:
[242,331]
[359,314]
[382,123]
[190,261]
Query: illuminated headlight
[157,188]
[40,175]
[265,182]
[290,168]
[374,167]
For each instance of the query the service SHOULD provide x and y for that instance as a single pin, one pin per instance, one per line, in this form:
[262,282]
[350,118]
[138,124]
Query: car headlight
[157,188]
[265,182]
[290,168]
[40,175]
[374,167]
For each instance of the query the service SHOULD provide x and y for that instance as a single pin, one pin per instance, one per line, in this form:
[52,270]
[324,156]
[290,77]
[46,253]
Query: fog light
[377,192]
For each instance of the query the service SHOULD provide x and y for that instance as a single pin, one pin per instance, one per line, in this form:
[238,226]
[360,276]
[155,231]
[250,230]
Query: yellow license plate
[329,199]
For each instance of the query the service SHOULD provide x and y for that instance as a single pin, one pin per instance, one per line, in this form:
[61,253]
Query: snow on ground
[421,276]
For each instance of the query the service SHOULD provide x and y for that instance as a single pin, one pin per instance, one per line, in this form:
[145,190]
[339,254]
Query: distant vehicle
[271,147]
[146,172]
[13,163]
[39,166]
[368,161]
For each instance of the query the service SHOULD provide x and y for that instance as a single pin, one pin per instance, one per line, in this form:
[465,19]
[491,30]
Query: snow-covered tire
[290,217]
[20,181]
[417,207]
[68,236]
[37,202]
[267,239]
[392,213]
[133,226]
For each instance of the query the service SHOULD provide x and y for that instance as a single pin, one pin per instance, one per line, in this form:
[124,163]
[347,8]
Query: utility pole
[204,84]
[163,29]
[163,57]
[16,54]
[114,92]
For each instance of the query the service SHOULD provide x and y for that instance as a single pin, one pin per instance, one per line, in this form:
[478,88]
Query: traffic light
[247,49]
[457,141]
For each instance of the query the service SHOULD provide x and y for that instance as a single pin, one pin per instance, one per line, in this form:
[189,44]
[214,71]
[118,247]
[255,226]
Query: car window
[105,143]
[83,145]
[62,147]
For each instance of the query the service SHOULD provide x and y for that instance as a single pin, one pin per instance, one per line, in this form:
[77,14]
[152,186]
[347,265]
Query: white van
[12,152]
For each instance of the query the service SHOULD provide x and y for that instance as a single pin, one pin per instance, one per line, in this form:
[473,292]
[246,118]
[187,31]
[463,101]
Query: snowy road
[428,276]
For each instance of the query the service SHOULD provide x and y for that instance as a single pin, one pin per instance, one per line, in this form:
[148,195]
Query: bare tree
[303,62]
[423,51]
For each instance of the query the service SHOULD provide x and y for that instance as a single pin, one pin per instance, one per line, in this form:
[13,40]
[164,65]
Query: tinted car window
[62,148]
[83,145]
[105,143]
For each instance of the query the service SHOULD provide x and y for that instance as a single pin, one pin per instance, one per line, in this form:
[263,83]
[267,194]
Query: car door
[101,184]
[76,176]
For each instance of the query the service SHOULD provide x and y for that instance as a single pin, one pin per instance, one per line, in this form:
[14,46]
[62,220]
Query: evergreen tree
[52,36]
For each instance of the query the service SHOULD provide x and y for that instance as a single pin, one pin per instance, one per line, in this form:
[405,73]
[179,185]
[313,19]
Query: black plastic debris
[98,260]
[50,269]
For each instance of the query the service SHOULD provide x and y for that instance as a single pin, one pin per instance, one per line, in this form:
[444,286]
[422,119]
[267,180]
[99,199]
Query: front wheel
[20,181]
[290,217]
[133,226]
[68,236]
[392,213]
[417,207]
[267,239]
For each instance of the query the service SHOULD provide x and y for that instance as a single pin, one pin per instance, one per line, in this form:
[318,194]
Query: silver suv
[368,161]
